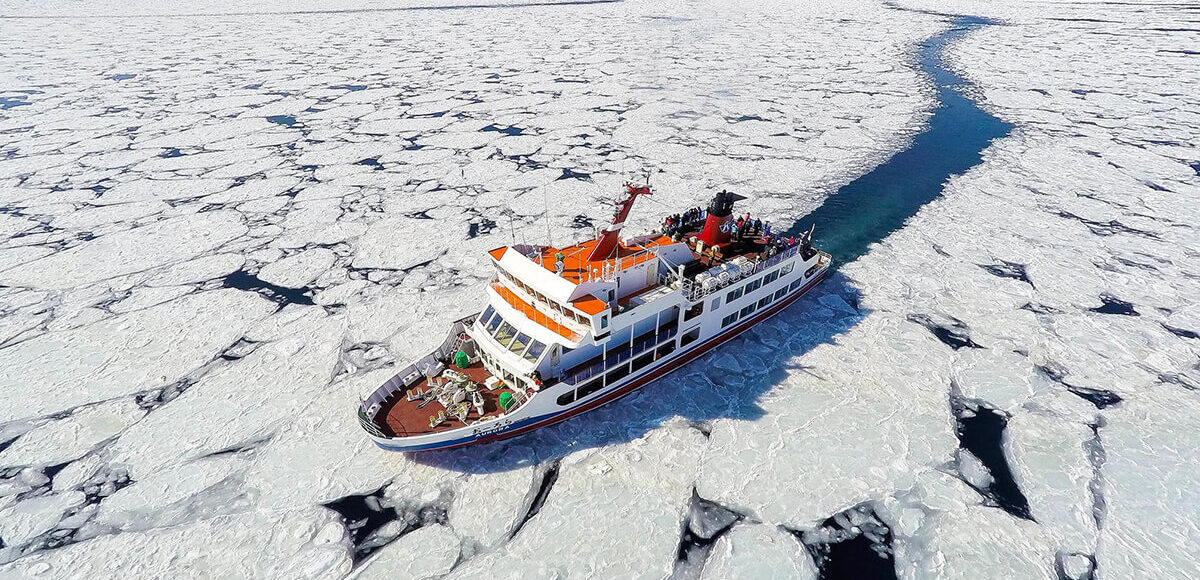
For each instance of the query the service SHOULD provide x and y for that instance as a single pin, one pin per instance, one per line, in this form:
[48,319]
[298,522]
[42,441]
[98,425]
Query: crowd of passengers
[677,225]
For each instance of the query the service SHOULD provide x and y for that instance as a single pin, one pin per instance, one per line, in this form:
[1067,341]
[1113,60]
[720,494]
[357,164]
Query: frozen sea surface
[223,223]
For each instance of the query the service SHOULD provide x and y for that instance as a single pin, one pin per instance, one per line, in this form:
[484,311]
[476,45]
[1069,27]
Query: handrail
[693,291]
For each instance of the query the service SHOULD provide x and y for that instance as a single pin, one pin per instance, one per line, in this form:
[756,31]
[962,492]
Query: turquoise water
[869,208]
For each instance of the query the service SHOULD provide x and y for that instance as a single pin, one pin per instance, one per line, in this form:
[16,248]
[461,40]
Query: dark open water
[869,208]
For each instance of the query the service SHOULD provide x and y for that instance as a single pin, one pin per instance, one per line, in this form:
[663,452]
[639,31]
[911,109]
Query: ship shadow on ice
[725,383]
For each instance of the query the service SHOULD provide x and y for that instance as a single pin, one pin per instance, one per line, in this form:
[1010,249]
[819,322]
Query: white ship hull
[545,407]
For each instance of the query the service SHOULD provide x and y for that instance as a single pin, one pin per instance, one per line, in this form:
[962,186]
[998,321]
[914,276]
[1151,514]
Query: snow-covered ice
[221,224]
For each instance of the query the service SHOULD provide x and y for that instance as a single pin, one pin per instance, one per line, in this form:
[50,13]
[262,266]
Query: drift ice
[569,329]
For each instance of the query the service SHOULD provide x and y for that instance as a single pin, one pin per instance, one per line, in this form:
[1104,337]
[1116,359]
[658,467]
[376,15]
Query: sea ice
[758,551]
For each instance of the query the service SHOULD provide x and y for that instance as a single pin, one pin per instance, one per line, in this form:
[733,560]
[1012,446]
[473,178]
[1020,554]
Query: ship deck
[750,247]
[402,417]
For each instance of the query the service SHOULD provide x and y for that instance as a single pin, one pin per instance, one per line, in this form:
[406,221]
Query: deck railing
[368,409]
[694,291]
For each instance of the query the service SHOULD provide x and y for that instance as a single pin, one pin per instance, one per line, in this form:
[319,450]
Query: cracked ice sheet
[759,551]
[940,530]
[1151,487]
[302,544]
[633,497]
[124,354]
[864,413]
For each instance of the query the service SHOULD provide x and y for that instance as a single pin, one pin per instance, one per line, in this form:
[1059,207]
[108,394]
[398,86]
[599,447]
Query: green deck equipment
[461,360]
[506,399]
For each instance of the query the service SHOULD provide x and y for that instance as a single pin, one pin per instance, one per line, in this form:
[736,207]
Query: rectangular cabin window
[519,343]
[505,334]
[798,283]
[732,318]
[617,374]
[494,323]
[643,326]
[689,337]
[787,268]
[734,294]
[693,312]
[716,303]
[641,362]
[643,342]
[666,349]
[753,285]
[487,313]
[589,388]
[668,318]
[780,293]
[764,301]
[770,277]
[604,321]
[747,311]
[535,351]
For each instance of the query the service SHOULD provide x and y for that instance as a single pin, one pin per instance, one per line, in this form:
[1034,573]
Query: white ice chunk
[489,506]
[125,354]
[294,369]
[30,518]
[1151,487]
[423,554]
[304,544]
[63,440]
[634,494]
[1051,464]
[758,551]
[298,270]
[128,251]
[864,421]
[198,270]
[998,376]
[400,243]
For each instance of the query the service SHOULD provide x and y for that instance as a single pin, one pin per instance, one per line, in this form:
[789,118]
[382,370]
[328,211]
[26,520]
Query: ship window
[753,285]
[643,326]
[716,303]
[518,344]
[780,293]
[589,388]
[765,301]
[617,374]
[604,321]
[668,317]
[770,277]
[732,318]
[487,313]
[666,349]
[787,268]
[693,312]
[640,362]
[505,334]
[689,337]
[747,311]
[734,294]
[796,285]
[494,323]
[566,398]
[535,351]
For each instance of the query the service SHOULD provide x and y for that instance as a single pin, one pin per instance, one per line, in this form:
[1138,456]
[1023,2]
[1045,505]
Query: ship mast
[606,244]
